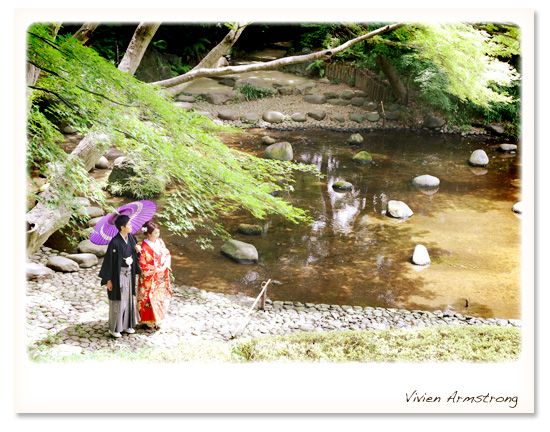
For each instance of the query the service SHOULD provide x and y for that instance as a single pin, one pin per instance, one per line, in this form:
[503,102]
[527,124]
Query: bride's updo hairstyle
[149,227]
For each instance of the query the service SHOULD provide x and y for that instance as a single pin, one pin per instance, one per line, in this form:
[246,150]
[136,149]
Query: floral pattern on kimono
[154,288]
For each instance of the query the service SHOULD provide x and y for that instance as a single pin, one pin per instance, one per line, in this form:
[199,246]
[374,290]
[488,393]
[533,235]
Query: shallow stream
[353,254]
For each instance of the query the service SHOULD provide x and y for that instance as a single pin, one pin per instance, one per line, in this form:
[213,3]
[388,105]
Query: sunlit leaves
[466,56]
[180,149]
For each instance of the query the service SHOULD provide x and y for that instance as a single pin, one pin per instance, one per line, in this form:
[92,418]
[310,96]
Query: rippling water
[353,254]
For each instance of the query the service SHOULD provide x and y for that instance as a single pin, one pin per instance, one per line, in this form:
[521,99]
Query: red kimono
[154,285]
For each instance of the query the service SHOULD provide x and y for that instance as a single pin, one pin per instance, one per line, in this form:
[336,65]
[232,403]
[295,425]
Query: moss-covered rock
[342,186]
[250,229]
[363,158]
[279,151]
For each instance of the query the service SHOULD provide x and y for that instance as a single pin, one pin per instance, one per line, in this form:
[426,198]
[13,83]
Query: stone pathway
[69,313]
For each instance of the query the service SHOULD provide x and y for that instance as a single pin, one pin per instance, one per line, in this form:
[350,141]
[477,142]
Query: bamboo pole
[263,293]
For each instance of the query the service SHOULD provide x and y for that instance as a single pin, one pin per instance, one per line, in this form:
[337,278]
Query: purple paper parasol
[139,213]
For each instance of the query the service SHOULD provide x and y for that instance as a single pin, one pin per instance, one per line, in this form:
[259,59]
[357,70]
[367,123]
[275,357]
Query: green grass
[431,344]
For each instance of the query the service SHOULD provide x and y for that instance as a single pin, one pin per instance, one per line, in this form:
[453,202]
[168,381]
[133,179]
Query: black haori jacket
[110,269]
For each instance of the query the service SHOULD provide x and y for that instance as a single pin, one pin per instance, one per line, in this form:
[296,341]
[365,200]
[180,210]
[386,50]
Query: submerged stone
[267,140]
[241,252]
[342,185]
[355,138]
[250,229]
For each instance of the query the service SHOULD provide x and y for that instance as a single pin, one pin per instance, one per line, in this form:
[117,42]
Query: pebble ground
[69,313]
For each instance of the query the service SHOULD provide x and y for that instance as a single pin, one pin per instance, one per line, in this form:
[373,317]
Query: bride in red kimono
[154,285]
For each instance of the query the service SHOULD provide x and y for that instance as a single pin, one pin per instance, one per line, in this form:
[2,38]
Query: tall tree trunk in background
[399,89]
[85,32]
[137,47]
[44,220]
[211,59]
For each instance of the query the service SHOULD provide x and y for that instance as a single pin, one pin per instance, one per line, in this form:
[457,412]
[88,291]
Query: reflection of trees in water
[352,254]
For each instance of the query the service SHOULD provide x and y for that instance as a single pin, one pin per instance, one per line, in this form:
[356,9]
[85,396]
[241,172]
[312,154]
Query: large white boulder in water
[479,158]
[421,256]
[398,209]
[426,181]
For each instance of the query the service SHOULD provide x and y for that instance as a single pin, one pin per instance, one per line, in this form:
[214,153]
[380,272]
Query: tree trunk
[44,220]
[399,89]
[32,71]
[177,84]
[139,43]
[85,32]
[210,61]
[212,58]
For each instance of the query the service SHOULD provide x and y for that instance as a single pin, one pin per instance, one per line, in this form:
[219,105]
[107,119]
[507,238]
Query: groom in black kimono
[118,272]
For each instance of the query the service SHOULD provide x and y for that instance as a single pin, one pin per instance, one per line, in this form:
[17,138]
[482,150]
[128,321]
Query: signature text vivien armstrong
[456,398]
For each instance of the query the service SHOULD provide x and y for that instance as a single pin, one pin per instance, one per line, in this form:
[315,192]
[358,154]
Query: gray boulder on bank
[372,116]
[250,117]
[241,252]
[34,271]
[433,122]
[398,209]
[273,117]
[279,151]
[102,163]
[421,256]
[228,114]
[86,246]
[426,181]
[187,106]
[495,128]
[356,117]
[185,98]
[478,158]
[315,99]
[84,259]
[91,212]
[62,264]
[93,222]
[317,114]
[298,117]
[219,98]
[82,201]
